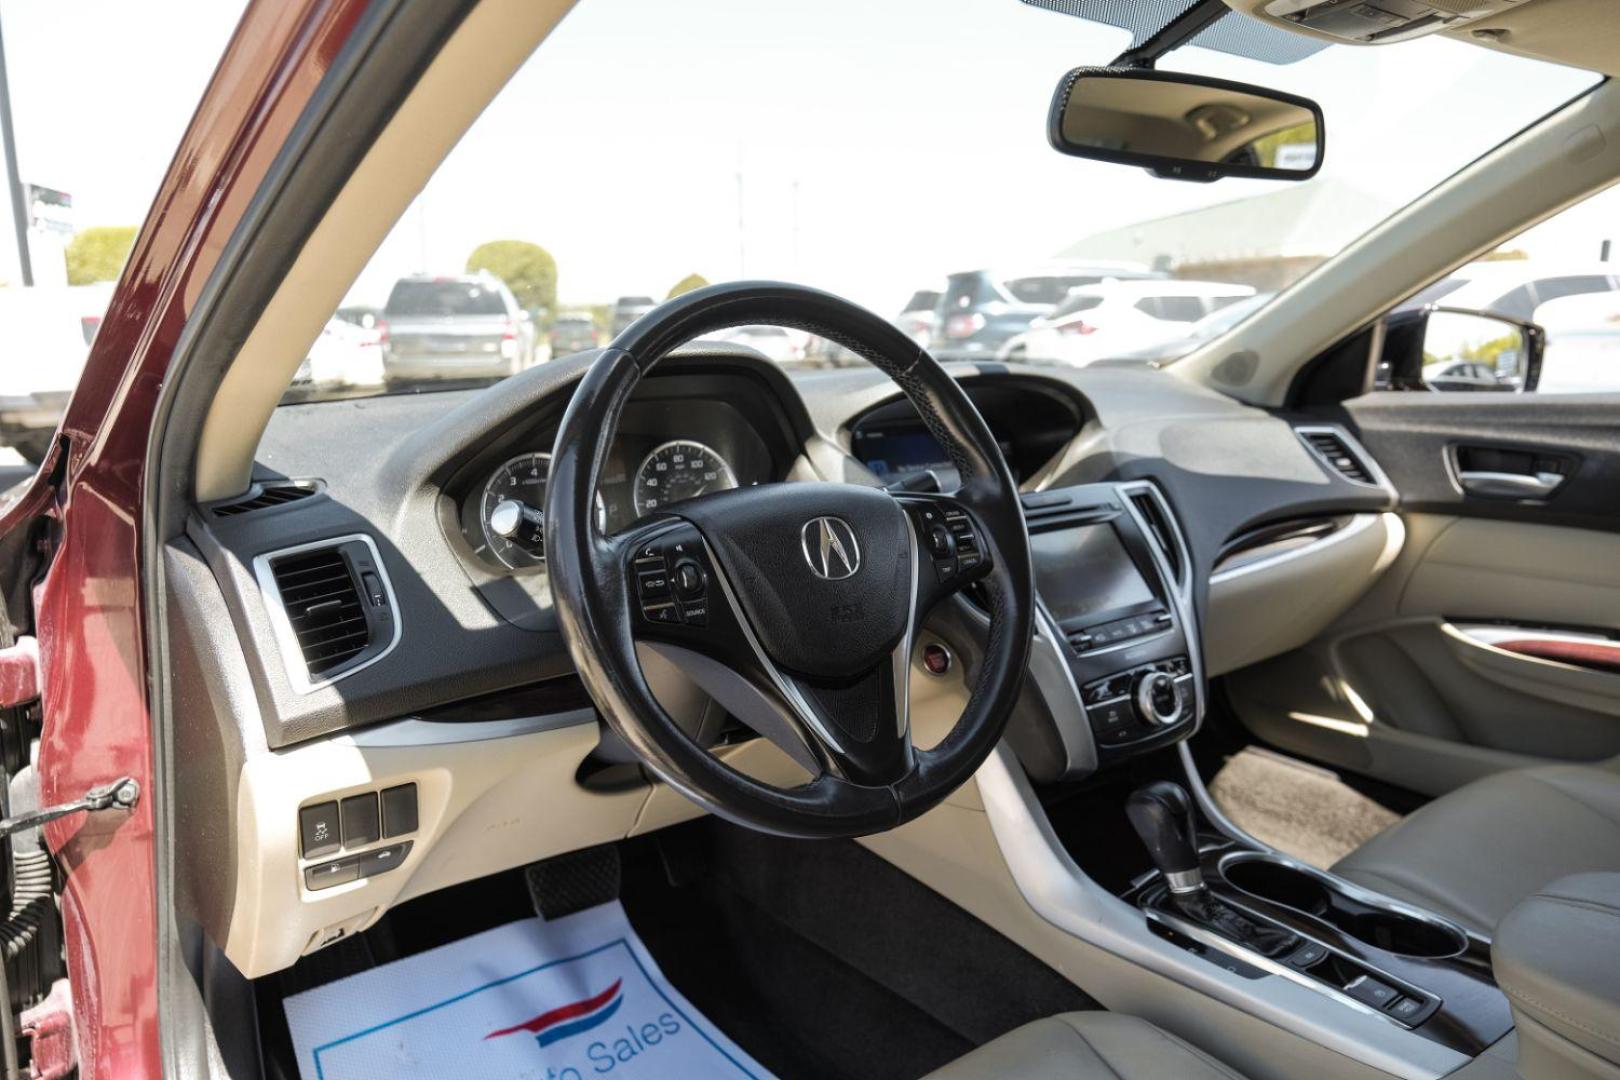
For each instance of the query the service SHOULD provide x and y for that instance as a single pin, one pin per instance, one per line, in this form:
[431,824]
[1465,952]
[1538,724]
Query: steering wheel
[794,605]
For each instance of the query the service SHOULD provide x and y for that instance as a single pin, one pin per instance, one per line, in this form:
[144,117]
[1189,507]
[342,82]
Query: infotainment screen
[1085,571]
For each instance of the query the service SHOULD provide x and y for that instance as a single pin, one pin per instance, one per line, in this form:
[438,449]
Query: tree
[99,253]
[686,285]
[528,270]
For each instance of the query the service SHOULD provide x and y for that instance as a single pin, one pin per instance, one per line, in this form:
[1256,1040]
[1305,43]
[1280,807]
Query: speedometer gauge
[512,511]
[677,471]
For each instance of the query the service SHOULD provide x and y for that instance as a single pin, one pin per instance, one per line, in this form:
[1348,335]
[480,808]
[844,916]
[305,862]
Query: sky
[867,148]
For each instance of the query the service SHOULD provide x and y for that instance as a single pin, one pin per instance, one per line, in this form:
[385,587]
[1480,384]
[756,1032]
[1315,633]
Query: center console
[1110,573]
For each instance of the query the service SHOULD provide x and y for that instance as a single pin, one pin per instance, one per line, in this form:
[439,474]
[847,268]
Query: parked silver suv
[462,327]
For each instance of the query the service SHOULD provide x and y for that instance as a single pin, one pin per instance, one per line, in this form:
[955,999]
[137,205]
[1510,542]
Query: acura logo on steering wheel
[830,548]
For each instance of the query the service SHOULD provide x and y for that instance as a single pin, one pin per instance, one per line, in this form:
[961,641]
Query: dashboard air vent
[263,497]
[1152,513]
[1334,449]
[324,608]
[331,606]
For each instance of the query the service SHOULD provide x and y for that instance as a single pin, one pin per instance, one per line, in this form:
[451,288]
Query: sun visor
[1238,34]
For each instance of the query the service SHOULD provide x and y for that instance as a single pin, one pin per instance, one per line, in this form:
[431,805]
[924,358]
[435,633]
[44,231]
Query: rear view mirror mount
[1185,127]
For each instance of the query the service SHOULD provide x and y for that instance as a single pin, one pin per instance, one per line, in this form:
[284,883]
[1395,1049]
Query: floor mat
[1298,808]
[574,997]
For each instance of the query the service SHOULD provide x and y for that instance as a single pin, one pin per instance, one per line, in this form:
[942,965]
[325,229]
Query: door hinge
[19,673]
[121,794]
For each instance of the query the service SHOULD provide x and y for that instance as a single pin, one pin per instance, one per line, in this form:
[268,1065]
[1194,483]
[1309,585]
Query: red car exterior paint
[88,605]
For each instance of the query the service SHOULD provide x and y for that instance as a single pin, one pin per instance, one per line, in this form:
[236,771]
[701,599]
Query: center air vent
[331,606]
[1337,451]
[1156,516]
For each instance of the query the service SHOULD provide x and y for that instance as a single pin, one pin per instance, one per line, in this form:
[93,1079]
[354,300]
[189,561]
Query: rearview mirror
[1185,127]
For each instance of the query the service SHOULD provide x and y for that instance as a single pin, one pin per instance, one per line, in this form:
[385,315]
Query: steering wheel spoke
[684,607]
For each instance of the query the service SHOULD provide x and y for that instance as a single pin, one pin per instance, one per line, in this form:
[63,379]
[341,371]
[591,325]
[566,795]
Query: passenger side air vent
[1336,451]
[264,496]
[331,606]
[1155,516]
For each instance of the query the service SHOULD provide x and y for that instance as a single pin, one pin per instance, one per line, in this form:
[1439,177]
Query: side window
[1563,275]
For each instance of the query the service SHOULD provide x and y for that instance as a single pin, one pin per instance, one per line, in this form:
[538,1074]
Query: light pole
[19,212]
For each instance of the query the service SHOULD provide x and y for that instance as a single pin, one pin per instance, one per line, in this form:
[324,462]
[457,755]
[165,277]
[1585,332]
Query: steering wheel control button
[653,585]
[327,875]
[690,580]
[361,823]
[940,542]
[318,830]
[399,810]
[668,614]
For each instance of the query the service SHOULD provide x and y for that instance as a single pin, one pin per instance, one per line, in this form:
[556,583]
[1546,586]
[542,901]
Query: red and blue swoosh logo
[557,1024]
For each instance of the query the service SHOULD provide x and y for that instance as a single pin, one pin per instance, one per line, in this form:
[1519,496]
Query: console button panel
[1113,709]
[356,822]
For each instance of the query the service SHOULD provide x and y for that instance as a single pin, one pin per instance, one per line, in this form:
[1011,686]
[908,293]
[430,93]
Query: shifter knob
[1162,815]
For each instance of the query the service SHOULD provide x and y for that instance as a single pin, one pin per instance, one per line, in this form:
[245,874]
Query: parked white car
[1114,317]
[1519,288]
[345,356]
[1583,344]
[778,343]
[47,331]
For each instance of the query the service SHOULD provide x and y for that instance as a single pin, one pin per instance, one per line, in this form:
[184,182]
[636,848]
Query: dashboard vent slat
[1334,449]
[263,498]
[324,608]
[1151,512]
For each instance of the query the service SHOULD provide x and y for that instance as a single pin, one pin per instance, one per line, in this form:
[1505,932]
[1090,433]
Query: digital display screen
[899,452]
[1085,571]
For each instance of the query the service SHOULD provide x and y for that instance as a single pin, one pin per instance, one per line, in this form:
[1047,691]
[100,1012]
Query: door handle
[1508,485]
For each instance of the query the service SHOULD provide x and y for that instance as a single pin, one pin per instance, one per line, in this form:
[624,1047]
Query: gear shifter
[1162,815]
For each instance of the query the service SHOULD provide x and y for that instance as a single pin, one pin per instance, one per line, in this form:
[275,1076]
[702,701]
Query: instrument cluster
[665,454]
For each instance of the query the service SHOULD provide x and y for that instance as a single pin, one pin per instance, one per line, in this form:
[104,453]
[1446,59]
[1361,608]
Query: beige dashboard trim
[1268,607]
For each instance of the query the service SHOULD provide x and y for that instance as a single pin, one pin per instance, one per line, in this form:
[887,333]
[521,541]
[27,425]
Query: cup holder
[1381,927]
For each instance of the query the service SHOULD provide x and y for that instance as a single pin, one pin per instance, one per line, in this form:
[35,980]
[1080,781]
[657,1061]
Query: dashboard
[466,699]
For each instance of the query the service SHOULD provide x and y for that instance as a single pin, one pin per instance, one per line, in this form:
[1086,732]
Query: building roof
[1312,219]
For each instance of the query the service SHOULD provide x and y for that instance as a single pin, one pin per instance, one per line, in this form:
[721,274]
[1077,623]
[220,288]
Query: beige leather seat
[1086,1046]
[1476,853]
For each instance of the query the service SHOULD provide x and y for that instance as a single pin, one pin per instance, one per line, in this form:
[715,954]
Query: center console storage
[1368,951]
[1291,886]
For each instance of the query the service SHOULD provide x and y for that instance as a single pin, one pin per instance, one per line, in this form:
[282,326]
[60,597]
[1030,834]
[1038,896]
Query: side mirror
[1185,127]
[1451,350]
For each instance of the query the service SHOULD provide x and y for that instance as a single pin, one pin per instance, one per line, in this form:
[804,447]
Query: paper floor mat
[578,998]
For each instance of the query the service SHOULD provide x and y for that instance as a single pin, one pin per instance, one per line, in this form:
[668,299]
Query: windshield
[885,153]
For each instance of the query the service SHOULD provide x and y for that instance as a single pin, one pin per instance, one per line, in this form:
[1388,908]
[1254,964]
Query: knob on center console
[1158,699]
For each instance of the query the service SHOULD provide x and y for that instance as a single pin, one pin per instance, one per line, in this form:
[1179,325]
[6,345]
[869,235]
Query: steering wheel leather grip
[810,593]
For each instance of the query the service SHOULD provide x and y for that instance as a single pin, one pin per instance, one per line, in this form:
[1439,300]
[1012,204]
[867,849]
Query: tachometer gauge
[677,471]
[513,514]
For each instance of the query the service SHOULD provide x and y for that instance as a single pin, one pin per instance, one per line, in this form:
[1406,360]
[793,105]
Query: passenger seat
[1086,1046]
[1475,853]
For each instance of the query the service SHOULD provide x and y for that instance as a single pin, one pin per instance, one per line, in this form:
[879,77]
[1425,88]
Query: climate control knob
[1158,699]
